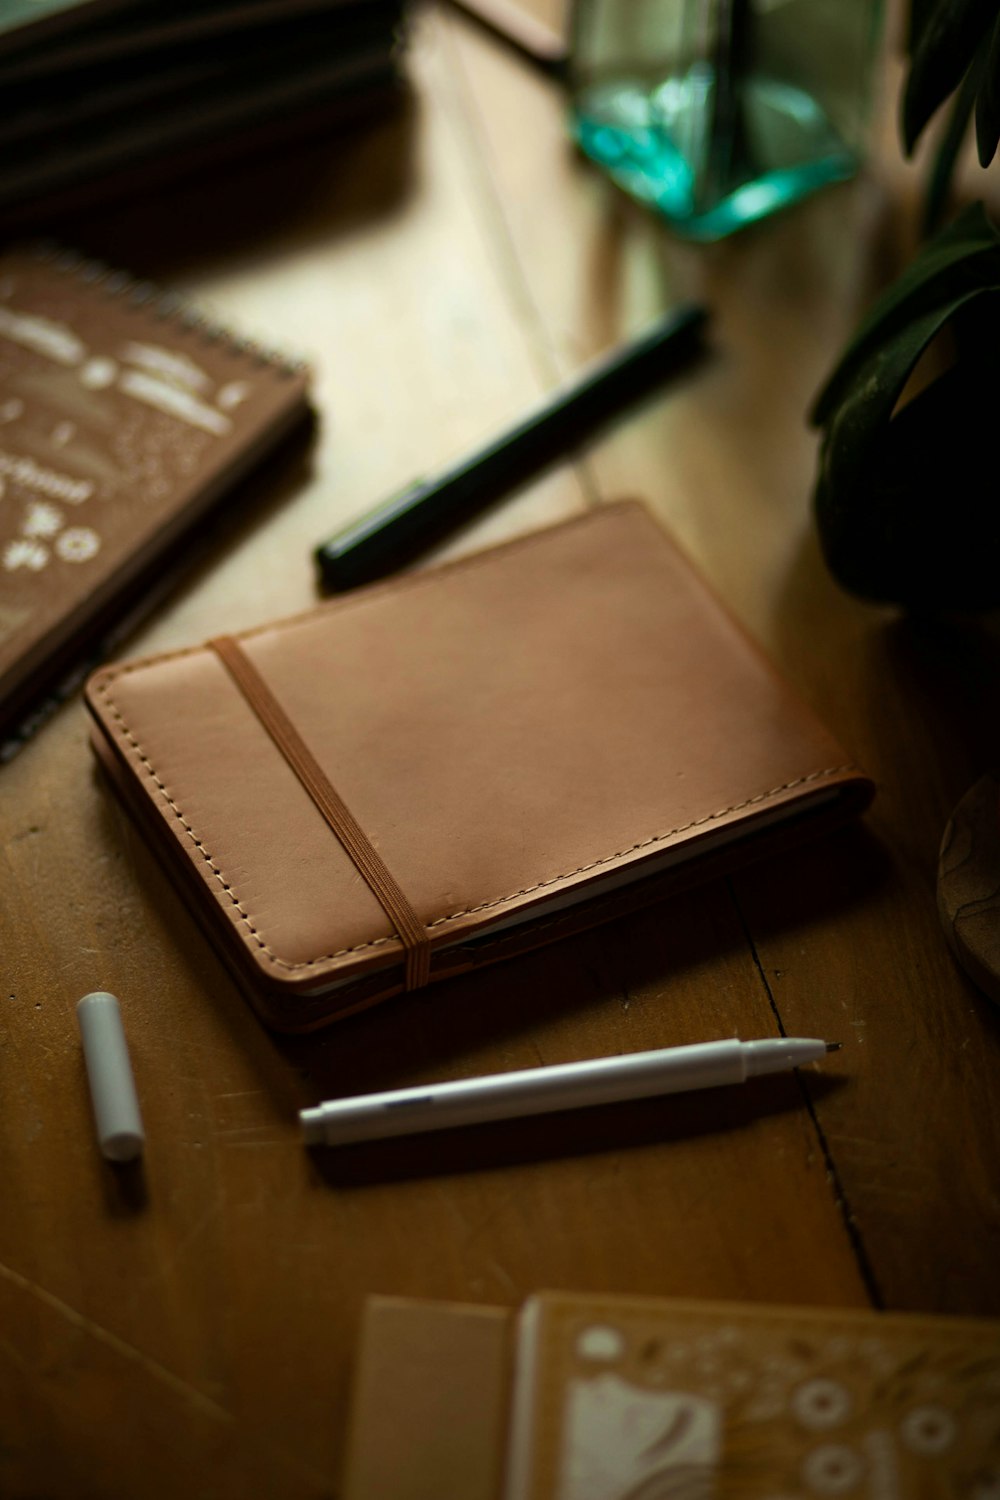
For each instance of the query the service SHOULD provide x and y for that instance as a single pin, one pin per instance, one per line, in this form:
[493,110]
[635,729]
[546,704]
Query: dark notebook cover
[121,423]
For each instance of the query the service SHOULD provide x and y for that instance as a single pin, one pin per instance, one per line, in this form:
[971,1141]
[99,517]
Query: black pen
[413,520]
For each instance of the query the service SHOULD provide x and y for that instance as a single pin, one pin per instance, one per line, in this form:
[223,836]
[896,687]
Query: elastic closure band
[412,932]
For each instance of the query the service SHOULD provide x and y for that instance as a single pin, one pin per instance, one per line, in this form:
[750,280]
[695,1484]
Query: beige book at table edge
[442,1395]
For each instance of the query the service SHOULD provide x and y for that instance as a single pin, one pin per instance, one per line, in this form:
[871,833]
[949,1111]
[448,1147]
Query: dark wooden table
[190,1329]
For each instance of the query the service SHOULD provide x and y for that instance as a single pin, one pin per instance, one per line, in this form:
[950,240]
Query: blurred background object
[542,41]
[903,501]
[100,94]
[719,112]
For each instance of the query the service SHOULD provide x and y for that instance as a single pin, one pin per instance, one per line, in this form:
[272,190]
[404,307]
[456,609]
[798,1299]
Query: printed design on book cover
[702,1408]
[87,413]
[124,415]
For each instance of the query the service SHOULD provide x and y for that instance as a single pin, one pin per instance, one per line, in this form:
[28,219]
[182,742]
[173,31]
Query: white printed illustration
[600,1342]
[23,470]
[180,369]
[833,1470]
[819,1404]
[233,394]
[619,1440]
[24,553]
[928,1430]
[174,399]
[688,1411]
[41,520]
[63,442]
[78,544]
[98,373]
[167,379]
[55,340]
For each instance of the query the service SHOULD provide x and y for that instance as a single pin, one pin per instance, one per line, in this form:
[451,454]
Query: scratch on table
[504,1279]
[199,1227]
[474,1230]
[916,1194]
[255,1144]
[248,1135]
[183,1388]
[119,1345]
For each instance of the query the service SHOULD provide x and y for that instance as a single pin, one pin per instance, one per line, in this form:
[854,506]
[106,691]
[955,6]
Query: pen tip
[834,1046]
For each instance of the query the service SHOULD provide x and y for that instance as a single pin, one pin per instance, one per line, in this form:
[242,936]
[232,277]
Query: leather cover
[524,736]
[122,420]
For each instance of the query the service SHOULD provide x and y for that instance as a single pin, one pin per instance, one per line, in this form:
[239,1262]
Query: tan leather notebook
[123,419]
[450,767]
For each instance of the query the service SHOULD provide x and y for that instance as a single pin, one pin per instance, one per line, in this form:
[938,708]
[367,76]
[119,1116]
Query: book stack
[579,1396]
[98,92]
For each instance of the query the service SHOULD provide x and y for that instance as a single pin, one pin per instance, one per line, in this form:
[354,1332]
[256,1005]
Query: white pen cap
[109,1073]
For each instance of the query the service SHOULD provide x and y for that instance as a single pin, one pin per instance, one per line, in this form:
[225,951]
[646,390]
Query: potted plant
[903,500]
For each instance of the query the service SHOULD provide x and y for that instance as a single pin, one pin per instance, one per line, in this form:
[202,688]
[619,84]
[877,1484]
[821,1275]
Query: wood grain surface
[189,1327]
[968,883]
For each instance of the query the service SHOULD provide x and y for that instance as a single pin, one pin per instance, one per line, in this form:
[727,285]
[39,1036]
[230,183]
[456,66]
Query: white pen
[536,1091]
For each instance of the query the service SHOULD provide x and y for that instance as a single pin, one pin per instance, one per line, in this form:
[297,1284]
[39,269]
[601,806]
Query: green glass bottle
[719,112]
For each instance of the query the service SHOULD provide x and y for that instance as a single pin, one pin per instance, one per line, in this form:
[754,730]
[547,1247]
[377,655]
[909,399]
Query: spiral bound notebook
[454,766]
[124,418]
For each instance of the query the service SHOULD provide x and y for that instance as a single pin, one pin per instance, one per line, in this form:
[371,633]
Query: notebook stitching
[467,911]
[206,856]
[656,838]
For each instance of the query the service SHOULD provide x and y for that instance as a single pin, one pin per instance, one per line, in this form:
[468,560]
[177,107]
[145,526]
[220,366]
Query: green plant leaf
[949,36]
[918,526]
[965,254]
[988,99]
[939,180]
[904,511]
[866,408]
[919,17]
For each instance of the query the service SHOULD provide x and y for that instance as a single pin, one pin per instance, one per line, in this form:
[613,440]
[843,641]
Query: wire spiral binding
[162,303]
